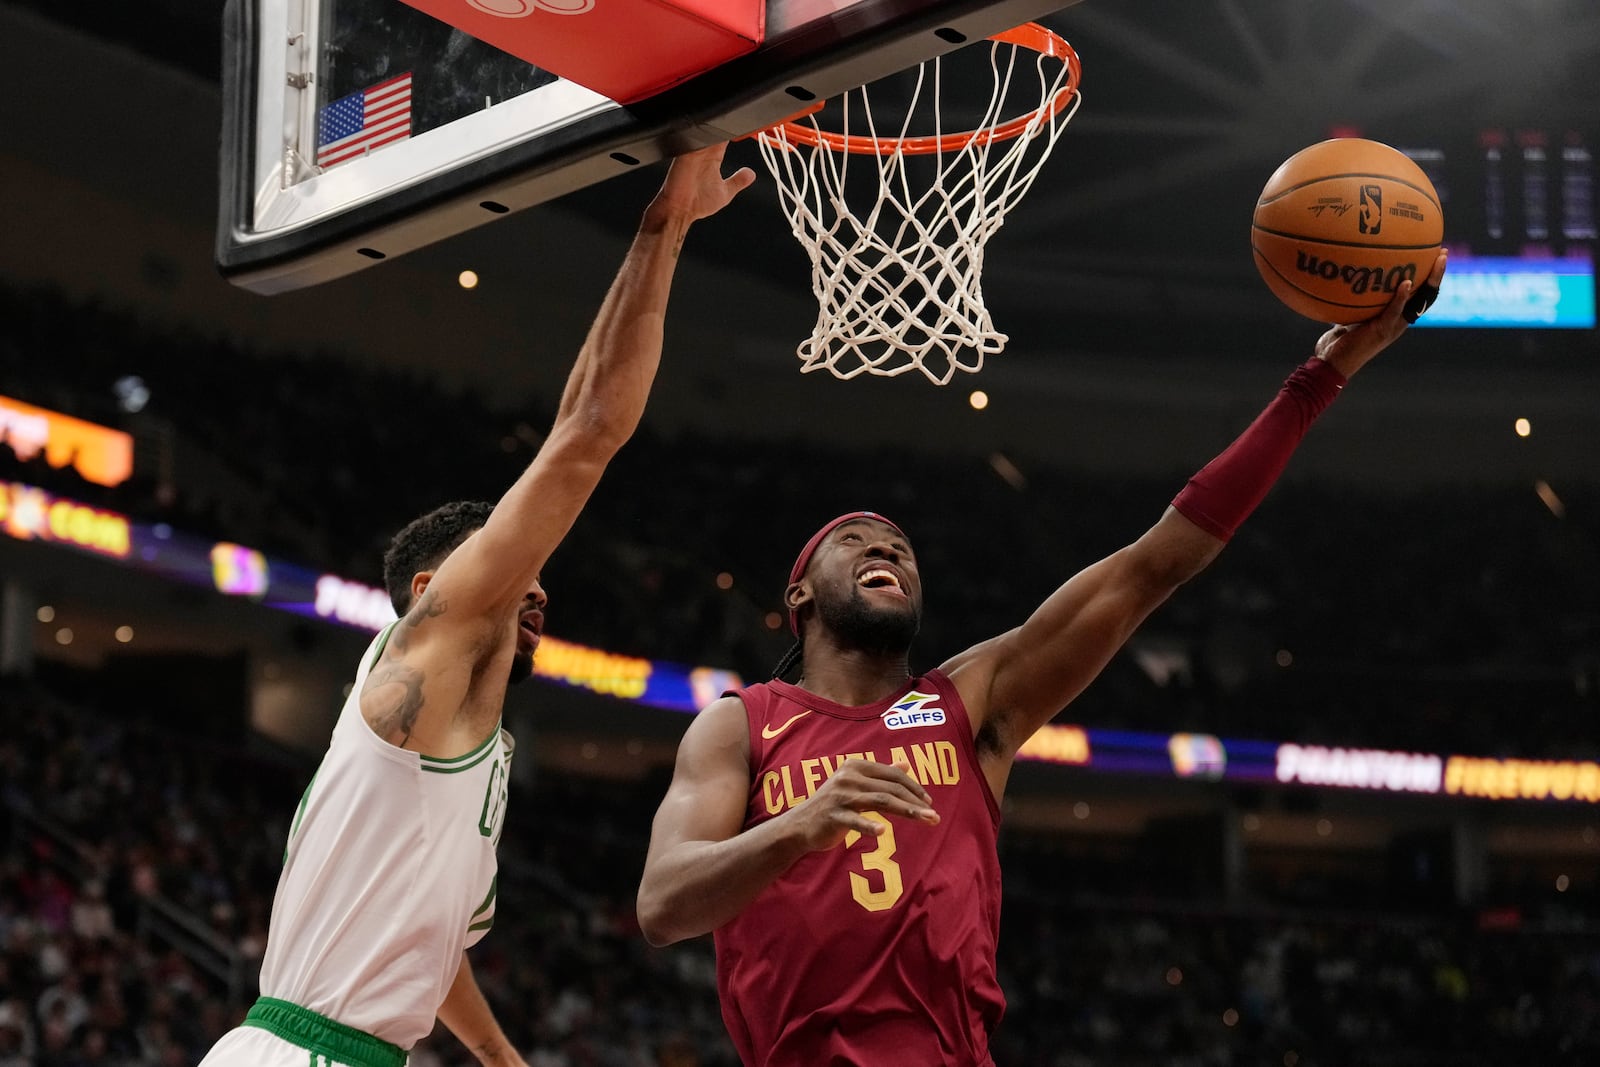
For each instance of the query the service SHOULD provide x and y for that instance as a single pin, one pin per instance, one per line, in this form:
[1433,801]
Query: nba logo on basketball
[1371,208]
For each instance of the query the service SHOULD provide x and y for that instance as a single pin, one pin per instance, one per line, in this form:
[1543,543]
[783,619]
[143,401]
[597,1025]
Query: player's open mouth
[530,628]
[880,578]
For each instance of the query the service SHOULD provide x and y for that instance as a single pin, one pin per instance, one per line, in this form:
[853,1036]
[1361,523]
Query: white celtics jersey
[388,876]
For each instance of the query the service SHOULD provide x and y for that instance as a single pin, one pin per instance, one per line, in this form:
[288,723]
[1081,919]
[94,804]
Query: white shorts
[248,1046]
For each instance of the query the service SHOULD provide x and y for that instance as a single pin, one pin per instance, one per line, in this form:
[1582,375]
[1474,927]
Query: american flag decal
[354,125]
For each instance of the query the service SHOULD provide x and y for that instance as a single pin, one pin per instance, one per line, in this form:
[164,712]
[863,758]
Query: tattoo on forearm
[395,693]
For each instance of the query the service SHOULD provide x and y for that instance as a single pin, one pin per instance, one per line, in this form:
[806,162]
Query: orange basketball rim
[1029,35]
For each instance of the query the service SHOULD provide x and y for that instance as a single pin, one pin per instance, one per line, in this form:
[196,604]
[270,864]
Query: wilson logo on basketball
[521,9]
[1359,279]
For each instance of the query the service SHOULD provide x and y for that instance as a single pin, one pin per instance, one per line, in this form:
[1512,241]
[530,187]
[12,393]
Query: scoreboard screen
[1520,223]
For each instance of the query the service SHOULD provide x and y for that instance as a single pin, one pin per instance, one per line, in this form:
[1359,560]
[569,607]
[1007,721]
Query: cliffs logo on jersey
[913,710]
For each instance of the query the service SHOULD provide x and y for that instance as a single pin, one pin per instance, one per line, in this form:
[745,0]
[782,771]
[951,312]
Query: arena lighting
[98,453]
[1208,758]
[1517,779]
[235,570]
[1008,471]
[28,513]
[131,393]
[1550,499]
[31,514]
[1518,292]
[1354,768]
[1523,427]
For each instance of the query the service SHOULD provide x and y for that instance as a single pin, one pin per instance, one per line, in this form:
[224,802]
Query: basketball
[1341,224]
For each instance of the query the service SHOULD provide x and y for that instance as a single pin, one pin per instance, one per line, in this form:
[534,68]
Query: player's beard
[521,667]
[874,630]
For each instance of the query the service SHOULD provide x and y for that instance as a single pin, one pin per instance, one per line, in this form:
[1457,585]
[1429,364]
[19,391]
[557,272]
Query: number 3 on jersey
[880,859]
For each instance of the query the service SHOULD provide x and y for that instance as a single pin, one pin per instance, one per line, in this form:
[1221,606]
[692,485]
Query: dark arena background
[1337,803]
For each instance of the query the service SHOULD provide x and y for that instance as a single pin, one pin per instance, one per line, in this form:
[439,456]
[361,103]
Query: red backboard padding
[627,50]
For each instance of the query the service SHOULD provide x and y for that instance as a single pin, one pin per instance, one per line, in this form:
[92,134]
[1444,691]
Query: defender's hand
[695,188]
[1349,348]
[828,816]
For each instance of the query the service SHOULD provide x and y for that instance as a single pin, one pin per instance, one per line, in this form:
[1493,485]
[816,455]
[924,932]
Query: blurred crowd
[108,817]
[136,867]
[1108,988]
[1459,618]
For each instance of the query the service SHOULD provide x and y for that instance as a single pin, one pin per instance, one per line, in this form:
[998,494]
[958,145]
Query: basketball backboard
[357,130]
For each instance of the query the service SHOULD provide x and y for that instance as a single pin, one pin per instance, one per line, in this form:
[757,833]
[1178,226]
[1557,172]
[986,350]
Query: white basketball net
[899,283]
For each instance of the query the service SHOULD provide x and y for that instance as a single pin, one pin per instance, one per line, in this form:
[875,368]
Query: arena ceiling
[1124,279]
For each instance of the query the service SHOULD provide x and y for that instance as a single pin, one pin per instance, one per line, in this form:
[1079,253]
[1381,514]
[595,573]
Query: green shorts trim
[318,1034]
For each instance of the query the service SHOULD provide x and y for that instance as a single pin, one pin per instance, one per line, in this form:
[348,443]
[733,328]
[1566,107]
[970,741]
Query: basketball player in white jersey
[389,874]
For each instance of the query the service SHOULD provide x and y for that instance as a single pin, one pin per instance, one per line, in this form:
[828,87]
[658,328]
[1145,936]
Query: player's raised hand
[860,786]
[695,188]
[1349,348]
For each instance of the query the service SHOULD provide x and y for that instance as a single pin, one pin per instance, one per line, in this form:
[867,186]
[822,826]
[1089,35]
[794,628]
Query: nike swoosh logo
[768,733]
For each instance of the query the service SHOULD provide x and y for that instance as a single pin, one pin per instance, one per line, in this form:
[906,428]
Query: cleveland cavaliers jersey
[389,875]
[881,950]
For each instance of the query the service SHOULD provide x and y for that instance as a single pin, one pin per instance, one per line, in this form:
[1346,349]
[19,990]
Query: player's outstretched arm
[466,1014]
[601,405]
[603,400]
[1017,682]
[459,619]
[701,870]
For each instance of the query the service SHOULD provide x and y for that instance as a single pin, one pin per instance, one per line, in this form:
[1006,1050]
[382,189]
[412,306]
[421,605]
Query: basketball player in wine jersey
[390,871]
[838,835]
